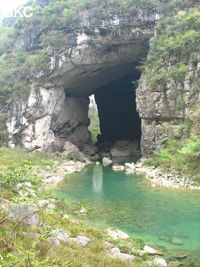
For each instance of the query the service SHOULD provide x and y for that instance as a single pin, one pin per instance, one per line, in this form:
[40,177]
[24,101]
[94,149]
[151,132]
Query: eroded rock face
[124,149]
[71,151]
[163,109]
[47,119]
[96,51]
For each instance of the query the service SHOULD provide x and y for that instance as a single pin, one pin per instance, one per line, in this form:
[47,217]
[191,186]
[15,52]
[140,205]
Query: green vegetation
[16,249]
[22,67]
[181,153]
[180,157]
[176,44]
[16,157]
[3,137]
[173,51]
[17,166]
[51,18]
[94,123]
[6,38]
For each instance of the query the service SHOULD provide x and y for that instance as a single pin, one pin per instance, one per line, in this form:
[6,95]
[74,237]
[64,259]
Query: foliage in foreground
[182,158]
[17,166]
[17,249]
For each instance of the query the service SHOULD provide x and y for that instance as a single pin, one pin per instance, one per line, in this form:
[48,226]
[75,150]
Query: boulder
[51,207]
[33,235]
[25,212]
[116,234]
[130,167]
[160,262]
[106,162]
[118,168]
[149,250]
[82,241]
[124,149]
[61,235]
[115,250]
[124,257]
[72,151]
[108,245]
[137,252]
[43,203]
[89,149]
[176,241]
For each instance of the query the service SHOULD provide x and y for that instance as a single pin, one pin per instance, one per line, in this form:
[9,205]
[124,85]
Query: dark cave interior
[116,102]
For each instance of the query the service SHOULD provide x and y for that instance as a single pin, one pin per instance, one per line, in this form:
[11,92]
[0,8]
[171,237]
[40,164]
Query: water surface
[169,218]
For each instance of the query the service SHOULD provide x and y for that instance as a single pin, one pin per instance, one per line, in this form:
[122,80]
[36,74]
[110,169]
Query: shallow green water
[160,216]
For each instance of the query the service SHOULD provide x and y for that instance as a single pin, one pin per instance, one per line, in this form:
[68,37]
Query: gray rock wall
[46,119]
[93,53]
[167,106]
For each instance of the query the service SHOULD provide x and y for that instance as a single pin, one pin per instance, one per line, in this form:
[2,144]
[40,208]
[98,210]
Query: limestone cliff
[95,52]
[169,91]
[92,52]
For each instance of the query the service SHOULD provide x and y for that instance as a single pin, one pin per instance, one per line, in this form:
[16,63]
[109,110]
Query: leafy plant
[180,157]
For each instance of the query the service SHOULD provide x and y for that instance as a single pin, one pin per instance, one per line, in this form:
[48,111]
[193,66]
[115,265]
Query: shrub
[192,147]
[3,136]
[11,176]
[182,158]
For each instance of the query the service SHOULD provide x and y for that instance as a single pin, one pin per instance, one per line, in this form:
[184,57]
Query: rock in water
[118,168]
[176,241]
[106,162]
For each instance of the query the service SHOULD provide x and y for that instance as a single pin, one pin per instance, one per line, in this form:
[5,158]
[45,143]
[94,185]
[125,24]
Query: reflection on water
[97,179]
[169,218]
[122,160]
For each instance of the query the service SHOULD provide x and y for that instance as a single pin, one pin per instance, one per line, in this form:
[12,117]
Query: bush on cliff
[176,43]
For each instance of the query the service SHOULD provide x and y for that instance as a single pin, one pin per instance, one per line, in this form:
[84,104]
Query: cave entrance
[116,104]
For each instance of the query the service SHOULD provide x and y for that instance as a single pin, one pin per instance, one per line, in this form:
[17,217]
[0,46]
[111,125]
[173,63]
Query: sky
[8,5]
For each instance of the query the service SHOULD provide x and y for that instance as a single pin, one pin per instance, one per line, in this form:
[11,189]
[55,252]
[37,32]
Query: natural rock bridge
[98,56]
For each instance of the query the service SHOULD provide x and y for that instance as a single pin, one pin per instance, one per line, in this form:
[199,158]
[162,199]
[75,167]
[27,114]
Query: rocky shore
[158,176]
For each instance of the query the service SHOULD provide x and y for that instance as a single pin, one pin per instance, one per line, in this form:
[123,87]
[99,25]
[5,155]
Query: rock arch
[99,57]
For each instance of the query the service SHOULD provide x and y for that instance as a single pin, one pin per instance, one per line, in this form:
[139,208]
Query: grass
[17,166]
[17,249]
[13,157]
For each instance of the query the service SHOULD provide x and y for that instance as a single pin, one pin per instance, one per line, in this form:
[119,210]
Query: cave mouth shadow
[118,116]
